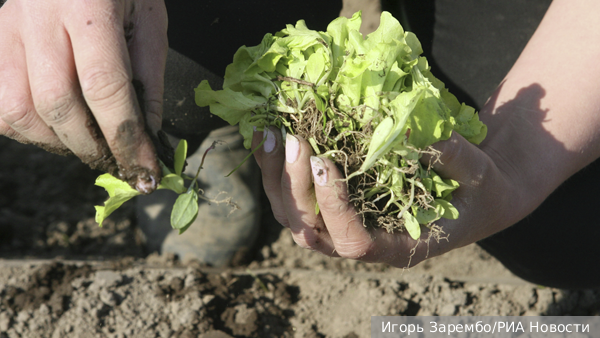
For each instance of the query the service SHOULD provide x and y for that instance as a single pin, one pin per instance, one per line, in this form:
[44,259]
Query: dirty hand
[66,68]
[294,182]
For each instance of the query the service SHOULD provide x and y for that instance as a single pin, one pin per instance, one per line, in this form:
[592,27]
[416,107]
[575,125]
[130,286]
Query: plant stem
[212,146]
[410,201]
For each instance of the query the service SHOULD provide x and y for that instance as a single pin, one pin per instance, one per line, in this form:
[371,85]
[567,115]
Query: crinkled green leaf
[388,130]
[469,126]
[338,29]
[119,192]
[315,67]
[244,62]
[229,105]
[428,121]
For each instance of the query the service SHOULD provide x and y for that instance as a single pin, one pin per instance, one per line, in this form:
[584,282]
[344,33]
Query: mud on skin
[142,179]
[164,149]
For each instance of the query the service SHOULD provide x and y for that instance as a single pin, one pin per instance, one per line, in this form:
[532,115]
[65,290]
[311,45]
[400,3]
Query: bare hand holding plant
[295,182]
[542,128]
[66,72]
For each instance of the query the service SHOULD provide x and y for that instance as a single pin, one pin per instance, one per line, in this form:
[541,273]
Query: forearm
[544,119]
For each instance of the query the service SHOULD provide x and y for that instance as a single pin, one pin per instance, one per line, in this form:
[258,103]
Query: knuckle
[334,206]
[15,111]
[306,240]
[54,102]
[7,131]
[311,238]
[282,219]
[153,113]
[104,87]
[352,250]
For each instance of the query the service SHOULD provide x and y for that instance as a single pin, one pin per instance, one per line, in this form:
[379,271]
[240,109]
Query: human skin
[543,126]
[61,61]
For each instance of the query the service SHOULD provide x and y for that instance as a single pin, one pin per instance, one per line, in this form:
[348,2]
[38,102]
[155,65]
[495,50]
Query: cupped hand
[66,74]
[295,182]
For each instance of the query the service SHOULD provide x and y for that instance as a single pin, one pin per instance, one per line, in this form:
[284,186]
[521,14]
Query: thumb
[458,159]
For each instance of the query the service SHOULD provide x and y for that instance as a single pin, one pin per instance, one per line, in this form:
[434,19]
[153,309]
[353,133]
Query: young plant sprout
[370,104]
[185,208]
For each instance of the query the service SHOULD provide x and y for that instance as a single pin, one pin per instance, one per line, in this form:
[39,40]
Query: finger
[17,112]
[270,157]
[454,155]
[299,200]
[482,182]
[53,84]
[148,48]
[345,225]
[7,131]
[104,71]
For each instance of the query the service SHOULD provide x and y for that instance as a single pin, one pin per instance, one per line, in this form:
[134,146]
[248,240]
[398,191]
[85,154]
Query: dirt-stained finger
[345,225]
[57,97]
[99,32]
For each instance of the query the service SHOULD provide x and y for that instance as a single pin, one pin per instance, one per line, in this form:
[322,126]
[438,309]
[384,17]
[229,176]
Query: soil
[63,276]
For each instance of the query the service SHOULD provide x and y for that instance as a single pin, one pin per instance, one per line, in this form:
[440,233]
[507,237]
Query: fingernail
[146,185]
[319,170]
[269,144]
[292,148]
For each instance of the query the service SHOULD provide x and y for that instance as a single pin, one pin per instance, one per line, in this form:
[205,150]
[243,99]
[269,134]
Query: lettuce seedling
[370,104]
[185,208]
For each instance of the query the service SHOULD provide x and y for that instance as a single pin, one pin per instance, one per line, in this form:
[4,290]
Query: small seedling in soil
[370,104]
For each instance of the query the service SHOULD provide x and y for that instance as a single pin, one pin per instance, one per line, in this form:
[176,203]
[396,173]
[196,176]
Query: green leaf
[412,225]
[338,29]
[227,104]
[173,182]
[180,155]
[442,186]
[427,121]
[119,192]
[315,67]
[184,211]
[429,215]
[450,212]
[390,129]
[469,126]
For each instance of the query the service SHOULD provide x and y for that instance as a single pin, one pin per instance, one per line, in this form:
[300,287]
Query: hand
[542,128]
[294,182]
[66,72]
